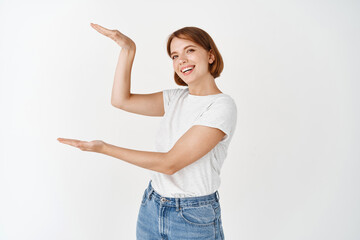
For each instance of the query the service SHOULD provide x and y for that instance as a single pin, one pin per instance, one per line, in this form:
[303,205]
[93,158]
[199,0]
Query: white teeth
[186,69]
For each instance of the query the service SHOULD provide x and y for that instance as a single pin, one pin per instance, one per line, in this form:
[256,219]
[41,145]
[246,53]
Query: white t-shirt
[182,111]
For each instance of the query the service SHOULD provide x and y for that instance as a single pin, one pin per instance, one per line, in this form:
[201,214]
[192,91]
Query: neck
[206,86]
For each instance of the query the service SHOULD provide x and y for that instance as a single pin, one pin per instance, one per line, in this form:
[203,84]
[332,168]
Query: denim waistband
[182,202]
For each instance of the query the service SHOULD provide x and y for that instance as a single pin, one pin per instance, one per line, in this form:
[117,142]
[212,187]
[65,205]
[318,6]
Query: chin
[188,81]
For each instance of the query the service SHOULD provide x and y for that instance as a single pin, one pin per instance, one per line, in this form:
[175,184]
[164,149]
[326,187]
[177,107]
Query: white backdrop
[291,66]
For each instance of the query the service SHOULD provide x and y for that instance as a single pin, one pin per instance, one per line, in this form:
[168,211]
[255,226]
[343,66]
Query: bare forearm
[122,79]
[155,161]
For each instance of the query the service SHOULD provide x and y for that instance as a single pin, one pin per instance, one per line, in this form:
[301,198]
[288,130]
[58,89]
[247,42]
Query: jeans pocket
[216,207]
[219,228]
[200,215]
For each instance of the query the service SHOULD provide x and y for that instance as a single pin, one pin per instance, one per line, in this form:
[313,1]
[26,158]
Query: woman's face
[190,60]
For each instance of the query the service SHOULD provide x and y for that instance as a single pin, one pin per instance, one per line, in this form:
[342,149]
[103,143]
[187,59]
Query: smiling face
[190,60]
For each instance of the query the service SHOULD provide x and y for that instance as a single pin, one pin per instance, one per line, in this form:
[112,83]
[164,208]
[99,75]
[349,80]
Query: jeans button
[162,199]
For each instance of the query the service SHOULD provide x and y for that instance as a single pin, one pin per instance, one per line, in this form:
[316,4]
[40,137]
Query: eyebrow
[184,48]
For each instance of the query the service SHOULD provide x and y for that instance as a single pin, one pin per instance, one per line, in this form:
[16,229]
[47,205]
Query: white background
[292,170]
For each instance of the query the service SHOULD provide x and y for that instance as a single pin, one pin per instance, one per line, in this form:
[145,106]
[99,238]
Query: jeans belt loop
[217,196]
[177,204]
[150,193]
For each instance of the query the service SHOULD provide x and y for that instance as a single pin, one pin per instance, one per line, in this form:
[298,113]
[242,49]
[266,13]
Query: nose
[182,59]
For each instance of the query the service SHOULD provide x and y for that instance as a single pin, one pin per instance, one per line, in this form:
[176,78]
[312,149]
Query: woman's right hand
[122,40]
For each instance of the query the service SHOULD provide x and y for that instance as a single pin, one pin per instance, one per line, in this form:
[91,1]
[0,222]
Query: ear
[211,56]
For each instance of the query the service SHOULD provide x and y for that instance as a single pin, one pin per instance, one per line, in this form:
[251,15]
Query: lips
[186,70]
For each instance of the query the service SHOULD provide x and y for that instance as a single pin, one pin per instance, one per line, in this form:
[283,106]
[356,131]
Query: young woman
[181,200]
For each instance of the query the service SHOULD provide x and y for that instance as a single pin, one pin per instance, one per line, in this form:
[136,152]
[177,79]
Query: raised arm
[121,96]
[121,86]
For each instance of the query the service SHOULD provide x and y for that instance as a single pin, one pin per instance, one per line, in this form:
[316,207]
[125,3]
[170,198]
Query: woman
[181,200]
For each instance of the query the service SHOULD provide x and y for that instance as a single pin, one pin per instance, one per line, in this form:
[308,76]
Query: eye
[191,50]
[173,57]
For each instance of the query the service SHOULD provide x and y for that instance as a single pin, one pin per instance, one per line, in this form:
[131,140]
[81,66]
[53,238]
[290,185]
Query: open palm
[121,39]
[92,146]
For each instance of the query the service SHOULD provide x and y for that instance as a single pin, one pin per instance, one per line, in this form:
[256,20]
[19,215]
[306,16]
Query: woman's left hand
[93,146]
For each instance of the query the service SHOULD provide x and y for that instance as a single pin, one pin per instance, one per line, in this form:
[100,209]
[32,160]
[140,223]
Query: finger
[69,143]
[67,139]
[101,29]
[82,145]
[72,142]
[95,26]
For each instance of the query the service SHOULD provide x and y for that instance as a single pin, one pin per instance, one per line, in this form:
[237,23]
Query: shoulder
[225,101]
[174,91]
[221,108]
[172,95]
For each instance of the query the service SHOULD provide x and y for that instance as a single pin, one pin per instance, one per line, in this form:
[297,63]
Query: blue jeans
[162,218]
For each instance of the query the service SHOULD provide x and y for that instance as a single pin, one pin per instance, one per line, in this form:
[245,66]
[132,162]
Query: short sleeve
[169,95]
[221,114]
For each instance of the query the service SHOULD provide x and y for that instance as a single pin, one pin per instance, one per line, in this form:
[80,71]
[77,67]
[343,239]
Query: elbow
[170,167]
[170,171]
[117,105]
[119,102]
[114,104]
